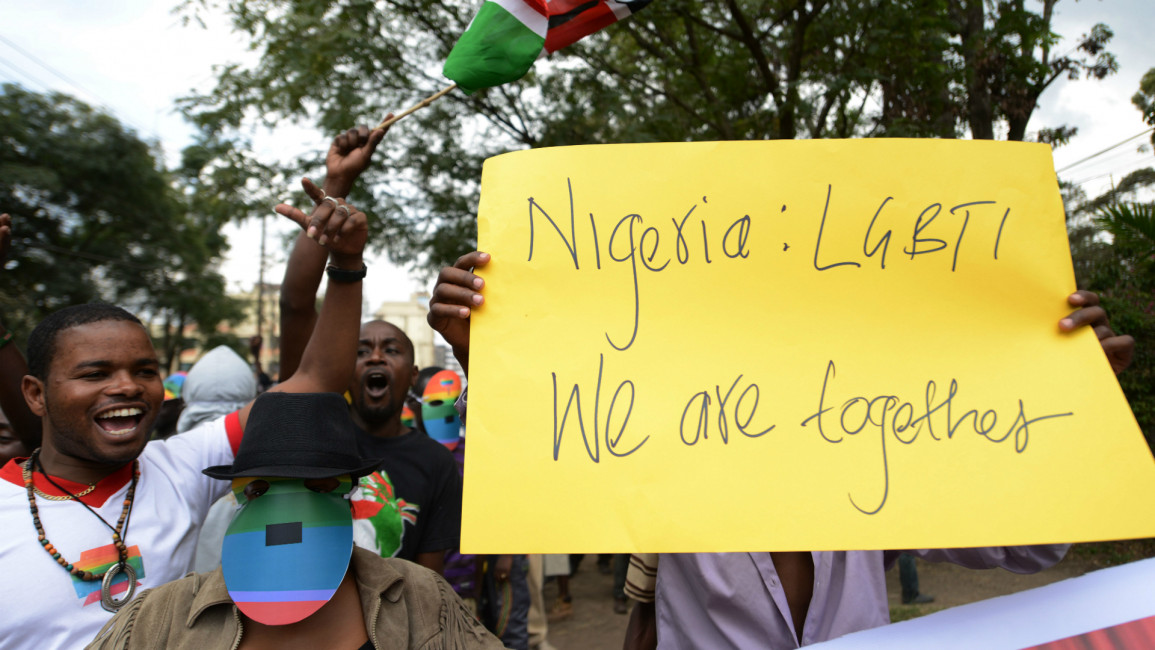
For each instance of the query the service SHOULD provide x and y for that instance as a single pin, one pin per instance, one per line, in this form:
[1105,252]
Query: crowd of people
[323,510]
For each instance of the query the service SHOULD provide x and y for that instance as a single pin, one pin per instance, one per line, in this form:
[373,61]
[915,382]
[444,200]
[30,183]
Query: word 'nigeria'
[731,240]
[886,415]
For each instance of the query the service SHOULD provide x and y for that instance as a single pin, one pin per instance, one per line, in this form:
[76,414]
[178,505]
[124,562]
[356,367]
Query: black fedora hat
[298,435]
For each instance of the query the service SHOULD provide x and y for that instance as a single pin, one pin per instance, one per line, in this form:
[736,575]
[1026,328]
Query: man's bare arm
[328,359]
[349,155]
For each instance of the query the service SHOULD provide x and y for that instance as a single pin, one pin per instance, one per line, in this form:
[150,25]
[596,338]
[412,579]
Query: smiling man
[97,511]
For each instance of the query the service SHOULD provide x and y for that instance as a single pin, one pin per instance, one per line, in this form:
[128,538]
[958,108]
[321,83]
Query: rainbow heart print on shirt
[101,559]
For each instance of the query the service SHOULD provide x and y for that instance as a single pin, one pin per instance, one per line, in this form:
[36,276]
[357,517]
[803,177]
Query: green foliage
[1144,100]
[906,612]
[680,70]
[95,218]
[341,62]
[1114,256]
[1131,301]
[1114,553]
[1057,136]
[1123,191]
[1133,227]
[1008,62]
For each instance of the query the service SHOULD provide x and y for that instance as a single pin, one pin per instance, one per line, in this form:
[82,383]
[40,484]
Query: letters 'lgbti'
[507,36]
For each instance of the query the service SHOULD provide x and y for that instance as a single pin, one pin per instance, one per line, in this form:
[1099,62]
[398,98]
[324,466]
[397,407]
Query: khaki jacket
[406,607]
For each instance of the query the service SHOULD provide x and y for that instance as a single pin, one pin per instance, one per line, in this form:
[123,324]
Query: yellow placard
[799,345]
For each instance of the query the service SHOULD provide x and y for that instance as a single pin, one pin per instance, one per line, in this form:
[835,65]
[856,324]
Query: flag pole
[421,104]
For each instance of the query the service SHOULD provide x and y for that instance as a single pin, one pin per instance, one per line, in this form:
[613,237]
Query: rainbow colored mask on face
[438,413]
[288,547]
[407,417]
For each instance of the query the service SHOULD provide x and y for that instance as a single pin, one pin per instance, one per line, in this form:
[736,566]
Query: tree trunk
[980,112]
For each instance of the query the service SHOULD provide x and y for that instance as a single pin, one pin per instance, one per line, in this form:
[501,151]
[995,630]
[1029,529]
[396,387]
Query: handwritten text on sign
[685,347]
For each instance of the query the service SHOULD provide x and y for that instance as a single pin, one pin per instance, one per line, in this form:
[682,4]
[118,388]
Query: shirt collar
[13,472]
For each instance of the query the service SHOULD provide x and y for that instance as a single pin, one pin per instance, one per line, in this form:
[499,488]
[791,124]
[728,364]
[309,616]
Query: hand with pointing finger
[334,224]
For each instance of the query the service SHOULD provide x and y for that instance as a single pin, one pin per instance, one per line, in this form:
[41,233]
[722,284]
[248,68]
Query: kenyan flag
[507,36]
[573,20]
[500,45]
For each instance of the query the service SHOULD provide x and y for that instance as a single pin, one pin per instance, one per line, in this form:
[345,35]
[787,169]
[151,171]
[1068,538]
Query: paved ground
[952,585]
[594,626]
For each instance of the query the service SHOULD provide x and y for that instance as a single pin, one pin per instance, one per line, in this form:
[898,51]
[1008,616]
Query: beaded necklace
[118,532]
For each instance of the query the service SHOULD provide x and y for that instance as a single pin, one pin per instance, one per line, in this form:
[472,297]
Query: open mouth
[376,385]
[120,421]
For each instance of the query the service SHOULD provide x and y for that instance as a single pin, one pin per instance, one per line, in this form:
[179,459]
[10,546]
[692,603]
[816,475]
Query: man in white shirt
[97,512]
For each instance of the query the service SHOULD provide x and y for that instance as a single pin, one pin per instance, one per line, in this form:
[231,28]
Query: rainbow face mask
[438,413]
[287,550]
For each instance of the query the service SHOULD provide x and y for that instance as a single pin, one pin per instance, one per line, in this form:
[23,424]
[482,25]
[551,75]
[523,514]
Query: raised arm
[349,155]
[13,366]
[328,359]
[456,294]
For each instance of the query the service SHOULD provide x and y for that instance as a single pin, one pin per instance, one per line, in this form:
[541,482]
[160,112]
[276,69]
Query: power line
[1114,146]
[1118,166]
[49,68]
[1119,172]
[23,73]
[103,103]
[1112,163]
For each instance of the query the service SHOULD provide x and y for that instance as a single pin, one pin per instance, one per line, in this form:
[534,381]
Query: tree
[1114,255]
[1008,63]
[1131,301]
[96,218]
[1113,249]
[680,70]
[1144,100]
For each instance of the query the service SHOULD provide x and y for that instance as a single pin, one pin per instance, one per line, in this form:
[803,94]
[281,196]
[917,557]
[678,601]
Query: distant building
[410,317]
[268,297]
[429,349]
[270,328]
[445,359]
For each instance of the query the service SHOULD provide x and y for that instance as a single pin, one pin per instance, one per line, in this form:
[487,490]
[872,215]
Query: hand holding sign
[455,295]
[1118,349]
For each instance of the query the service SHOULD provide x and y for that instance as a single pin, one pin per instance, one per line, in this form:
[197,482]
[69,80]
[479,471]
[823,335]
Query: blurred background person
[10,445]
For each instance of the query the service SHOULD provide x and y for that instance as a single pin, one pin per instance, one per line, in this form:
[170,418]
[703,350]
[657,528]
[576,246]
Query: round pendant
[106,600]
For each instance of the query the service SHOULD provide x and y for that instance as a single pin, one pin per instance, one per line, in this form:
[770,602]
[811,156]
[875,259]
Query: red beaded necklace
[118,533]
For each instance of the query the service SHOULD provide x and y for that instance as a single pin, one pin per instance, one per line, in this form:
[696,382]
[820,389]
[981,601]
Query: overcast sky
[134,58]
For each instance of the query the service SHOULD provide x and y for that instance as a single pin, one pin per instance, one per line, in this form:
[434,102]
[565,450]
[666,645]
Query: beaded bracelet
[6,339]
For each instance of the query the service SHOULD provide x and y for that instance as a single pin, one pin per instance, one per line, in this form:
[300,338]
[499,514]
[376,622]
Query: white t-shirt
[43,605]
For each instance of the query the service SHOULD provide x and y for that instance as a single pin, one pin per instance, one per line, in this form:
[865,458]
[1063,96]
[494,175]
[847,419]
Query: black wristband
[338,274]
